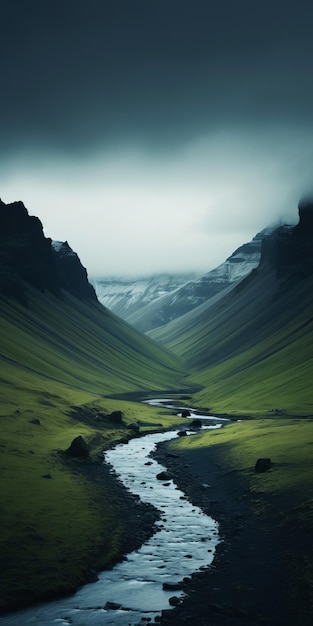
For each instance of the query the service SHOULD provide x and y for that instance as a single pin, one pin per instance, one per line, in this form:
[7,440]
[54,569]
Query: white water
[185,542]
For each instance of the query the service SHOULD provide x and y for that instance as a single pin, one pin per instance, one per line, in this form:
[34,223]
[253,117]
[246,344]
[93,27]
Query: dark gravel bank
[249,582]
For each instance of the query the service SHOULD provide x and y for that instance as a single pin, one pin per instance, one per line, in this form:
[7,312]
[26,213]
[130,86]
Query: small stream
[132,591]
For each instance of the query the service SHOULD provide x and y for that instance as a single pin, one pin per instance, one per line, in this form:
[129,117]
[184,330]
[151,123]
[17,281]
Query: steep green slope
[251,349]
[81,345]
[59,360]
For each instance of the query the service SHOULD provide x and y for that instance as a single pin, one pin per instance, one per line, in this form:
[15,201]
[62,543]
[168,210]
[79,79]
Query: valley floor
[262,574]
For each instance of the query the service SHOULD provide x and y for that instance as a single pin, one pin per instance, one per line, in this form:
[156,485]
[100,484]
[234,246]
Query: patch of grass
[288,442]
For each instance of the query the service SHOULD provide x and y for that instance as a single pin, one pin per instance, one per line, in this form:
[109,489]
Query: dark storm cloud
[125,121]
[77,74]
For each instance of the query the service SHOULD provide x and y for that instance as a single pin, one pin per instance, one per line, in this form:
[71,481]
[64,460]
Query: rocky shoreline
[248,582]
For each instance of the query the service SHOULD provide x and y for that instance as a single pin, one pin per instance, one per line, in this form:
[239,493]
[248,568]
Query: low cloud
[125,211]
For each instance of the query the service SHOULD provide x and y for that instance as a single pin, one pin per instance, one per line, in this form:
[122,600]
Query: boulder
[134,426]
[116,416]
[164,475]
[172,586]
[196,424]
[263,465]
[181,433]
[112,606]
[78,448]
[185,413]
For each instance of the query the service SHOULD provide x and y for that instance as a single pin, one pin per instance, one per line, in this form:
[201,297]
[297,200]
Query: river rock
[172,586]
[112,606]
[185,413]
[195,424]
[164,475]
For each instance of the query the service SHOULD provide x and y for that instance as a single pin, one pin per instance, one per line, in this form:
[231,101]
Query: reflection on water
[168,403]
[132,591]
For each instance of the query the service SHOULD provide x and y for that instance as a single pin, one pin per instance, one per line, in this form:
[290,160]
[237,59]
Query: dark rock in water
[164,476]
[112,606]
[181,433]
[263,465]
[172,586]
[78,448]
[174,601]
[185,413]
[195,424]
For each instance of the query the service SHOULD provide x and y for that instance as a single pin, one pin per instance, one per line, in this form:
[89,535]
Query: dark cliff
[73,276]
[27,256]
[290,249]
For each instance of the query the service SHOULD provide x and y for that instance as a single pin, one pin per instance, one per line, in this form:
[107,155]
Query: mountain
[149,303]
[27,257]
[49,302]
[126,296]
[63,357]
[251,346]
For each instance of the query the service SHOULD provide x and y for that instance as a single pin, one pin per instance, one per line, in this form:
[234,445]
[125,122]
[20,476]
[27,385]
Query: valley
[71,368]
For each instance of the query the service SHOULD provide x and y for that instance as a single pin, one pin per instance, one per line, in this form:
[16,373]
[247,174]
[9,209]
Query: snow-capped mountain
[150,302]
[125,296]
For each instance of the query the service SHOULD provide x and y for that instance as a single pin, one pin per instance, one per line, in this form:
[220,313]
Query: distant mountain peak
[148,303]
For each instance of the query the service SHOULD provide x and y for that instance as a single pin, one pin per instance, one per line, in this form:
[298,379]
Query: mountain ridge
[27,256]
[237,343]
[150,308]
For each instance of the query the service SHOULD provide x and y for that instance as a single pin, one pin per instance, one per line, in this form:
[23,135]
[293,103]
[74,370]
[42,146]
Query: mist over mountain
[149,303]
[252,344]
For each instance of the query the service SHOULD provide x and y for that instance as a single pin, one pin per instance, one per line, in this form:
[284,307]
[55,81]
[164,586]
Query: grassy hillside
[59,360]
[251,349]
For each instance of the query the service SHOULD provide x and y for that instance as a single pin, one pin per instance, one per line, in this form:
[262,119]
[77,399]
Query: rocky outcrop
[290,249]
[27,256]
[72,275]
[78,448]
[305,226]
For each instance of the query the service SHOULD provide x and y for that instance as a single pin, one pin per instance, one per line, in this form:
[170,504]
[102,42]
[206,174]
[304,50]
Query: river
[132,591]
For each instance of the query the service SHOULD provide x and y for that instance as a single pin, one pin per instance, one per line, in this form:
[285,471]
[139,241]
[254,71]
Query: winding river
[133,591]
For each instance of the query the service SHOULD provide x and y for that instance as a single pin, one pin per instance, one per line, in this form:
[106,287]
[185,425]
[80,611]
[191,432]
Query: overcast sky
[156,135]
